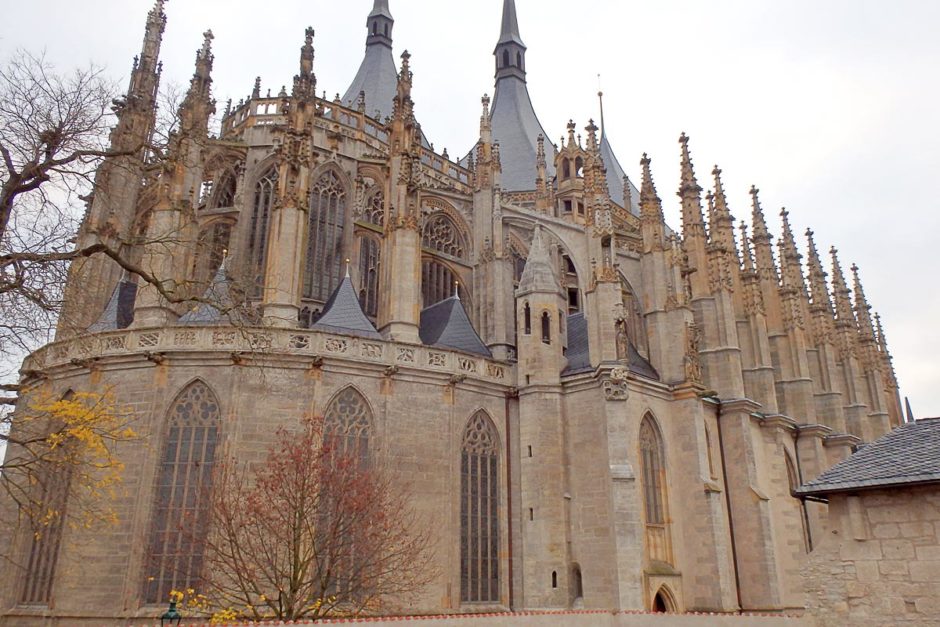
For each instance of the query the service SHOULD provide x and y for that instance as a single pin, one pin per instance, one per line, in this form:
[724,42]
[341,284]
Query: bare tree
[311,532]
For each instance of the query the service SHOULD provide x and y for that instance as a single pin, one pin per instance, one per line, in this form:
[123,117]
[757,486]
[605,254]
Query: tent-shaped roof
[446,325]
[218,306]
[343,314]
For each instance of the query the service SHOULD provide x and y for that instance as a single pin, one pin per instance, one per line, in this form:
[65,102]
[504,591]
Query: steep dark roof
[447,325]
[517,128]
[538,275]
[615,176]
[378,78]
[119,312]
[343,314]
[909,455]
[579,357]
[220,306]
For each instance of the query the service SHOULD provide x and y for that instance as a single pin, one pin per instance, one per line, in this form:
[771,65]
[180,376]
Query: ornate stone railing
[261,342]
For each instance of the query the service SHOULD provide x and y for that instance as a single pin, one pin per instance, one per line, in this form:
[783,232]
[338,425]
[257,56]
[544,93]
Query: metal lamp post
[171,617]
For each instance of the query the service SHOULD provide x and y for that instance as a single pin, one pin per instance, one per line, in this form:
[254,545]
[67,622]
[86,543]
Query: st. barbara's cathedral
[596,410]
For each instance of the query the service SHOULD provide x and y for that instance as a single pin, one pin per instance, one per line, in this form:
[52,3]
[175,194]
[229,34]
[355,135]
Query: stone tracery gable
[444,229]
[480,437]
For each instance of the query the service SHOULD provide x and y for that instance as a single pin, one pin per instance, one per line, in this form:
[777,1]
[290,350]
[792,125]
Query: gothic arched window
[184,479]
[438,282]
[323,269]
[374,211]
[369,259]
[479,511]
[442,235]
[223,193]
[52,481]
[265,191]
[348,424]
[653,475]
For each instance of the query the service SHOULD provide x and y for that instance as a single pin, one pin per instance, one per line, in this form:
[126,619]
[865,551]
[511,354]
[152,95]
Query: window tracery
[479,511]
[653,474]
[213,243]
[265,190]
[369,267]
[323,269]
[184,477]
[374,212]
[442,235]
[348,424]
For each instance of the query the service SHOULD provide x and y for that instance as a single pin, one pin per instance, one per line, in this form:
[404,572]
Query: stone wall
[880,562]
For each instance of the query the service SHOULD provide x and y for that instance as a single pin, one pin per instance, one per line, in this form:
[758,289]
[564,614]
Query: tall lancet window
[265,191]
[369,256]
[653,474]
[323,269]
[441,239]
[348,425]
[184,479]
[52,482]
[479,512]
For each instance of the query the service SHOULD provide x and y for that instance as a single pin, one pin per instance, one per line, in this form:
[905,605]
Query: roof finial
[841,291]
[862,308]
[746,251]
[509,30]
[347,267]
[600,98]
[457,290]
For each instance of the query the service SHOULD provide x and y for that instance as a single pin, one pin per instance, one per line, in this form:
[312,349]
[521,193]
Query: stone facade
[655,398]
[879,562]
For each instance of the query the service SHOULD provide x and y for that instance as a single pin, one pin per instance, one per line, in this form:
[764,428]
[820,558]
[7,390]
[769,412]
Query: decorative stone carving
[693,362]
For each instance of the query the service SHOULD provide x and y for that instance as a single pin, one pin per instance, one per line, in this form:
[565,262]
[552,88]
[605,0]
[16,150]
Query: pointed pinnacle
[758,222]
[688,181]
[509,29]
[721,201]
[746,251]
[647,187]
[591,129]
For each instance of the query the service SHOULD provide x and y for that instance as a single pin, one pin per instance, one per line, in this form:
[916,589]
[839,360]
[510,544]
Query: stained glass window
[184,478]
[323,269]
[479,512]
[258,229]
[438,282]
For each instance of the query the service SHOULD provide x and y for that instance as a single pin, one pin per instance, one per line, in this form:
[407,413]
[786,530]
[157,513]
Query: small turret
[380,23]
[841,293]
[763,250]
[539,317]
[862,308]
[510,51]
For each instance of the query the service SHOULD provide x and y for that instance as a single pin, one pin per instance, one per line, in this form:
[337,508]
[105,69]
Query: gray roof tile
[615,176]
[343,314]
[378,78]
[220,308]
[447,325]
[119,312]
[908,455]
[517,128]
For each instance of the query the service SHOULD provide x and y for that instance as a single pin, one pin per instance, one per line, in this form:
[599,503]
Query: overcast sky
[829,106]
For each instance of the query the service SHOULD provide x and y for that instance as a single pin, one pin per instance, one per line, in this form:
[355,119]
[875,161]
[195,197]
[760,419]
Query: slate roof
[119,312]
[446,325]
[579,357]
[343,314]
[509,28]
[517,128]
[615,175]
[220,308]
[378,78]
[538,275]
[909,455]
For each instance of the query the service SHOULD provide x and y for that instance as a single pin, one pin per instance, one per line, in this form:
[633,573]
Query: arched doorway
[663,603]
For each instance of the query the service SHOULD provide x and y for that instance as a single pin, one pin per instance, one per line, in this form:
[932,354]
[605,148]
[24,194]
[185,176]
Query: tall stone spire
[721,227]
[377,76]
[763,250]
[305,83]
[198,105]
[693,222]
[841,293]
[862,308]
[819,292]
[652,221]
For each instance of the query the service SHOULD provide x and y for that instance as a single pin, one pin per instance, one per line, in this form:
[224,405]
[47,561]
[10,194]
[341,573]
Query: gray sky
[829,106]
